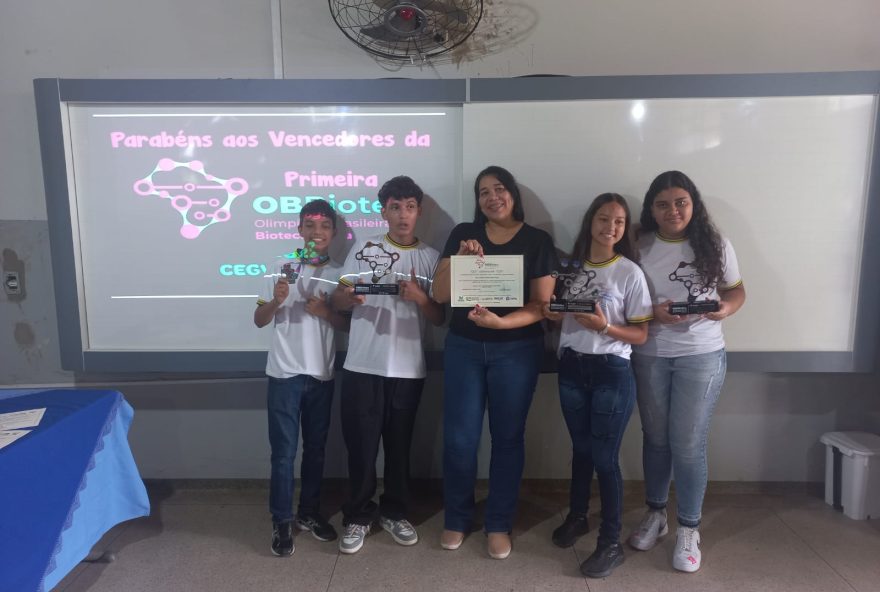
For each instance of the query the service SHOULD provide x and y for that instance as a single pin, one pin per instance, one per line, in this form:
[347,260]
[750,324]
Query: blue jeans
[502,376]
[289,401]
[676,399]
[597,393]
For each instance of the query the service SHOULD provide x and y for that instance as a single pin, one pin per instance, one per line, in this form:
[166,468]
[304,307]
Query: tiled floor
[767,538]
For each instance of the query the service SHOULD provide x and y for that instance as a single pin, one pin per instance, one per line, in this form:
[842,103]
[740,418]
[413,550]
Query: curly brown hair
[704,238]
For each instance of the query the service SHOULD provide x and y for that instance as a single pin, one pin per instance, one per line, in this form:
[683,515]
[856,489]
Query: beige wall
[766,426]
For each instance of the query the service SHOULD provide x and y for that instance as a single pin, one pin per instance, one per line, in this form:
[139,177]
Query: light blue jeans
[676,398]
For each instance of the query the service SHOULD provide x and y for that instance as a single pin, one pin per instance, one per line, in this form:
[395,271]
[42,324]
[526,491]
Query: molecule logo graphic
[202,200]
[695,283]
[379,260]
[573,286]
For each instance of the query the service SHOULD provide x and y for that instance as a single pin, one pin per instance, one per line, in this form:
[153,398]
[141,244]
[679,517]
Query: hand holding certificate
[491,280]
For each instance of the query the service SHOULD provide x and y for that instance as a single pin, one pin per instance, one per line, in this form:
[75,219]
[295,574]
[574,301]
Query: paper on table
[15,420]
[7,437]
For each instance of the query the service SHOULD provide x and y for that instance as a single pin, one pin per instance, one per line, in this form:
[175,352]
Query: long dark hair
[505,178]
[624,246]
[701,232]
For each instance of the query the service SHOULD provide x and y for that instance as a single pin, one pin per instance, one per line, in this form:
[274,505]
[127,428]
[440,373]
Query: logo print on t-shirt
[694,282]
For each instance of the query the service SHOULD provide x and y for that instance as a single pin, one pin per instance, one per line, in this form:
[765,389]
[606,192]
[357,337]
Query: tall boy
[384,369]
[300,371]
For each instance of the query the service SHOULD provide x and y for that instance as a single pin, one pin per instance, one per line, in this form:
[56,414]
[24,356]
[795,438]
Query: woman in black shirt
[491,360]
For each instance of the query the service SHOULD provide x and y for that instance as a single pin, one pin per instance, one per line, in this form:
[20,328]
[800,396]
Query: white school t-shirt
[301,342]
[668,266]
[620,287]
[386,332]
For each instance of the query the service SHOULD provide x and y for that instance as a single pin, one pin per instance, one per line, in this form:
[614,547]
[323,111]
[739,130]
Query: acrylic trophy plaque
[381,264]
[693,282]
[291,270]
[573,292]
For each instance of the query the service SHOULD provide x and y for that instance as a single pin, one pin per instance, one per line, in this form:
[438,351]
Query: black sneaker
[320,528]
[282,539]
[574,527]
[603,560]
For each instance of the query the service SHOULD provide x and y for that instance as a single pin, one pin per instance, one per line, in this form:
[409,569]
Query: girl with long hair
[596,385]
[680,369]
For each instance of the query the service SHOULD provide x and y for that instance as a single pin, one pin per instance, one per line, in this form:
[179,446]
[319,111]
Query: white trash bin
[851,482]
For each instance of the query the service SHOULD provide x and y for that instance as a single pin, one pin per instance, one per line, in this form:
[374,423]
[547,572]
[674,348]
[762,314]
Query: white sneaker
[352,538]
[686,556]
[652,527]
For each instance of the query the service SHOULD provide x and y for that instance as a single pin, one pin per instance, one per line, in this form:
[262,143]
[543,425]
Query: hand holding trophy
[573,292]
[381,263]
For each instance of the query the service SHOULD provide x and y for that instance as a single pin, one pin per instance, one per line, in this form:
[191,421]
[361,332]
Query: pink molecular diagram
[197,214]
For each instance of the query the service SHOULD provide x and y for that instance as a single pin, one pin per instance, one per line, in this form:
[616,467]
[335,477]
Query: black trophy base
[573,306]
[380,289]
[689,308]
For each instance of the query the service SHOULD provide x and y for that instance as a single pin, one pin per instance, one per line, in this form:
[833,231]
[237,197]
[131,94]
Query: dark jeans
[502,376]
[300,400]
[374,408]
[597,393]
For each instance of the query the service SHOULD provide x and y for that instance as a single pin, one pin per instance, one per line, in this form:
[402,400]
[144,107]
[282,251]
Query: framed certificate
[491,280]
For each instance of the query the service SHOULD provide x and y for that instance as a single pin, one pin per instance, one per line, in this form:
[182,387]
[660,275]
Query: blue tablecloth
[65,484]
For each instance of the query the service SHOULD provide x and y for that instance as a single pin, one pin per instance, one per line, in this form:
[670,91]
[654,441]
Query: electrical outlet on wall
[11,283]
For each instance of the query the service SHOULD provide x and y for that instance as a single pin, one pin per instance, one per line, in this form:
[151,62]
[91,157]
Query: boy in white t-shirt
[385,365]
[300,371]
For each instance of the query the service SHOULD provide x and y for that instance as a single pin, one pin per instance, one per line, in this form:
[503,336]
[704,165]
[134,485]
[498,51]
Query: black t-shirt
[539,260]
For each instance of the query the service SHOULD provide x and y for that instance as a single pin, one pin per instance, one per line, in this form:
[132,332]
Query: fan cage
[442,31]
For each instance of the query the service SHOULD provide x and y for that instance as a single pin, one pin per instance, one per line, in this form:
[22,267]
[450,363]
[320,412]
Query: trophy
[380,262]
[573,291]
[691,280]
[695,307]
[291,270]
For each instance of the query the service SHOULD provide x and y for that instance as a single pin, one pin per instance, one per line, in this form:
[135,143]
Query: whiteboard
[784,178]
[785,163]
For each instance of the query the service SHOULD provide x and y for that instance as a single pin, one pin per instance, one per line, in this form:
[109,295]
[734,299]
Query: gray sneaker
[401,531]
[353,538]
[652,527]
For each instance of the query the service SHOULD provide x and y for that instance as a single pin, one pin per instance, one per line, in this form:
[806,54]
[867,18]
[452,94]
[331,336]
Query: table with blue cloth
[64,484]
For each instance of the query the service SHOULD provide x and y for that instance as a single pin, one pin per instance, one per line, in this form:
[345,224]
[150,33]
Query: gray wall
[767,425]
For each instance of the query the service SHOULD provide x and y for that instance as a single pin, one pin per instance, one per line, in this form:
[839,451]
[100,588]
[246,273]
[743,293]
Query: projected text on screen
[181,208]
